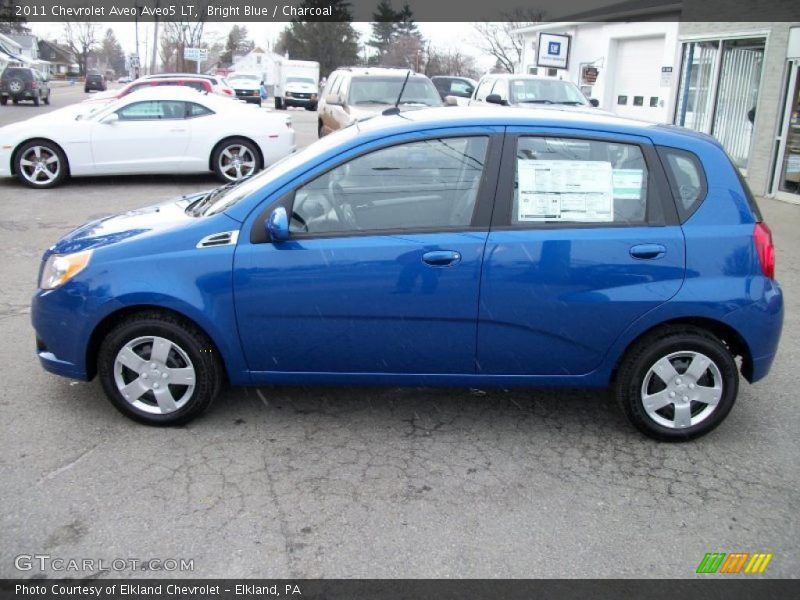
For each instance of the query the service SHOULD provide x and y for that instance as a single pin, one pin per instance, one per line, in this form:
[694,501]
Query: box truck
[296,83]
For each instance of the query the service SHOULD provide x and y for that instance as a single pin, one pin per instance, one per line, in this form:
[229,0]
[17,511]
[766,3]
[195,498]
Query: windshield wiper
[197,208]
[571,103]
[372,102]
[536,102]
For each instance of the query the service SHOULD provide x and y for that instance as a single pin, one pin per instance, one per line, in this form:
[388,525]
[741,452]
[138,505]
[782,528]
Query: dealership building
[739,82]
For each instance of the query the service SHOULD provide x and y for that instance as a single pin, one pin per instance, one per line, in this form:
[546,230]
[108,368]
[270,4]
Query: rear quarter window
[687,179]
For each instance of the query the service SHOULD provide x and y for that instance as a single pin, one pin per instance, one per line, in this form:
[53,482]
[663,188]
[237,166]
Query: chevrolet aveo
[474,247]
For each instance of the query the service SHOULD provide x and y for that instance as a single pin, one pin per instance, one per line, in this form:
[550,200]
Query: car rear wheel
[235,159]
[36,100]
[159,370]
[677,384]
[3,101]
[47,98]
[279,103]
[40,164]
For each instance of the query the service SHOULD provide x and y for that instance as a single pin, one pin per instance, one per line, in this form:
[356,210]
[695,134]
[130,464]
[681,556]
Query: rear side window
[571,180]
[687,179]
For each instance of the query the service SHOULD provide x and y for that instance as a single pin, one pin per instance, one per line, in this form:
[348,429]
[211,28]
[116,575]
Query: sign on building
[589,75]
[553,50]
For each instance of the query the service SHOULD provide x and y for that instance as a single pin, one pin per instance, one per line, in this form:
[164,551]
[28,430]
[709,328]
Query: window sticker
[628,184]
[565,190]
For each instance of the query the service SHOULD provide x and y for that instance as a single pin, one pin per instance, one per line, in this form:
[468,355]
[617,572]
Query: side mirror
[594,102]
[110,119]
[451,101]
[333,100]
[278,225]
[496,99]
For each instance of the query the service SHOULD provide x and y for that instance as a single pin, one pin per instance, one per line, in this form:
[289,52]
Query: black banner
[731,588]
[423,10]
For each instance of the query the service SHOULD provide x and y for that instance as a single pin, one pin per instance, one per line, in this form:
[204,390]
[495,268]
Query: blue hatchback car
[456,247]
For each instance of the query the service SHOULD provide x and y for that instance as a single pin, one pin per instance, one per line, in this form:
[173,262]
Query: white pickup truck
[296,84]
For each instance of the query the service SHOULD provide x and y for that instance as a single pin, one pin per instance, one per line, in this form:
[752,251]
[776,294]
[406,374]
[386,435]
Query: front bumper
[299,101]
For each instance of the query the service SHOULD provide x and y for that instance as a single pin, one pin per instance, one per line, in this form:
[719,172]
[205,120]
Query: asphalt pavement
[374,482]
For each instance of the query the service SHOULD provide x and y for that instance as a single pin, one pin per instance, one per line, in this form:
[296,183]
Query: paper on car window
[565,190]
[628,184]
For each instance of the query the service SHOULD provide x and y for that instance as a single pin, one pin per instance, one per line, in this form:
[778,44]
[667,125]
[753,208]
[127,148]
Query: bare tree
[500,39]
[177,36]
[450,62]
[82,39]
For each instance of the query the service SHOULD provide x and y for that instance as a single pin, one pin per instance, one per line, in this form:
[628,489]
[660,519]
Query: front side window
[566,180]
[152,110]
[420,185]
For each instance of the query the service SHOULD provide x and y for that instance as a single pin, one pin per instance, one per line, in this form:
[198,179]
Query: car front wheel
[235,159]
[677,384]
[159,370]
[40,164]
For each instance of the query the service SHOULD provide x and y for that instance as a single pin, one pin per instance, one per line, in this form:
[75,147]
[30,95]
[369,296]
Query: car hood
[365,111]
[244,84]
[128,225]
[61,115]
[301,87]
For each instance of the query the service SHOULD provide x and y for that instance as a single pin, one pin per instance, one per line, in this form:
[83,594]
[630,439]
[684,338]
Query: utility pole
[136,21]
[155,41]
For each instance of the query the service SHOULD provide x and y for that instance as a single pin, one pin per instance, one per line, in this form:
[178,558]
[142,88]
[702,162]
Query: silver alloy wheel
[236,161]
[682,389]
[39,165]
[154,374]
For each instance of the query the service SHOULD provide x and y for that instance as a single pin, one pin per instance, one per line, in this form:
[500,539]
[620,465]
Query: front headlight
[60,268]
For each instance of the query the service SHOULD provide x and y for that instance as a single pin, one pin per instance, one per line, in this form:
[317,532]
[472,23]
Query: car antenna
[395,110]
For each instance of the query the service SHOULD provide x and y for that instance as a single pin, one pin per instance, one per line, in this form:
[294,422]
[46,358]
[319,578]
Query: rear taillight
[762,237]
[228,92]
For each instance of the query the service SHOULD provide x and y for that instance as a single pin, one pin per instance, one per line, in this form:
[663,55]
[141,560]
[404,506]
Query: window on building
[622,100]
[653,101]
[718,87]
[552,72]
[638,100]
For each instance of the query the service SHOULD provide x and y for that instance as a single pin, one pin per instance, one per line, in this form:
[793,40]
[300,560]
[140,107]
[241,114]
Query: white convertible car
[156,130]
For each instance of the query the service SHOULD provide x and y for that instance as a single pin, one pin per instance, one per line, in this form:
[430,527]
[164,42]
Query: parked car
[167,129]
[201,85]
[591,251]
[526,90]
[247,86]
[220,85]
[355,93]
[460,88]
[124,79]
[296,84]
[24,83]
[95,81]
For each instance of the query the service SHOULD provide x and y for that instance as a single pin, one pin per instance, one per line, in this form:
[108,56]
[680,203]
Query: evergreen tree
[384,27]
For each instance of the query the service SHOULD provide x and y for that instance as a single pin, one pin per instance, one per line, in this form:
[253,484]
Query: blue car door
[381,270]
[584,240]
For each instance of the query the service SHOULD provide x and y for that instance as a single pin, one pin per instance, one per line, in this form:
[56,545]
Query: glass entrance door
[788,171]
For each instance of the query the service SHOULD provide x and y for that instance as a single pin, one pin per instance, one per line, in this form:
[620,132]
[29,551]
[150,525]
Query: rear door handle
[648,251]
[441,258]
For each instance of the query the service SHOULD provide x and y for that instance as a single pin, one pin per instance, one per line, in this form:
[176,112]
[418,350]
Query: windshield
[545,91]
[246,77]
[384,90]
[307,80]
[226,196]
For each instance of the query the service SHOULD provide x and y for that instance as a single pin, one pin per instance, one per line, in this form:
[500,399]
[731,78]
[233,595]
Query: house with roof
[10,53]
[61,61]
[258,62]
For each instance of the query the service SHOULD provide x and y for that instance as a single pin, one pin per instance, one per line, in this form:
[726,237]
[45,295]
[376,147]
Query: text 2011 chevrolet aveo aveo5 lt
[475,247]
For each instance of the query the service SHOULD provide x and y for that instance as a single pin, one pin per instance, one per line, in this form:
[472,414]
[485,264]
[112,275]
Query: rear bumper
[760,324]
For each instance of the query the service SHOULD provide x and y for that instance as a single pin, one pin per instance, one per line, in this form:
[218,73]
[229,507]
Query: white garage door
[637,79]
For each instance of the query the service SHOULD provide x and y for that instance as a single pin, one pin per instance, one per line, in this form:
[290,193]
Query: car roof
[382,71]
[180,75]
[159,79]
[522,76]
[168,92]
[562,117]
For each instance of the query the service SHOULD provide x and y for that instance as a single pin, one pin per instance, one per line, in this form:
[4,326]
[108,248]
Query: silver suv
[527,91]
[357,93]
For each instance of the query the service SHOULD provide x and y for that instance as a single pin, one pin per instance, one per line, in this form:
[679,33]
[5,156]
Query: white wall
[596,43]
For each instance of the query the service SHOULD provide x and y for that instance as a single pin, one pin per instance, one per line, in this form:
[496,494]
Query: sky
[443,36]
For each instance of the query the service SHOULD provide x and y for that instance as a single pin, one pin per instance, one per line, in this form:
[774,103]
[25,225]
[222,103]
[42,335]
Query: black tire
[4,100]
[319,129]
[197,346]
[644,354]
[279,103]
[86,90]
[312,106]
[15,101]
[234,141]
[47,98]
[36,99]
[53,149]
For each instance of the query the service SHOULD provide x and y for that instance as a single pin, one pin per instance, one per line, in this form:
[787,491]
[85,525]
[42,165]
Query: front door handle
[441,258]
[648,251]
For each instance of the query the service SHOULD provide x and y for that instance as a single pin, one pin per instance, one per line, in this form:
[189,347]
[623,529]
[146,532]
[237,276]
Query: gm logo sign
[554,48]
[732,563]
